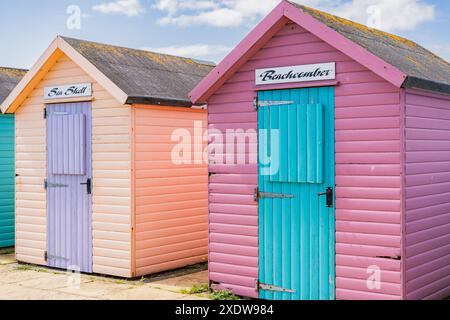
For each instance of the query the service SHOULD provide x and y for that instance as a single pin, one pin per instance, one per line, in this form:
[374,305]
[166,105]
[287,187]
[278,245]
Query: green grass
[24,268]
[196,289]
[43,270]
[223,295]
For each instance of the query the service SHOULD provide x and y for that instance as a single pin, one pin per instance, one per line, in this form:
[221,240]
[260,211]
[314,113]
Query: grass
[196,289]
[24,268]
[43,270]
[223,295]
[6,251]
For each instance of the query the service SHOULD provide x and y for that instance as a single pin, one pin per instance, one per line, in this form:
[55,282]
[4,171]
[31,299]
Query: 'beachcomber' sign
[68,91]
[304,73]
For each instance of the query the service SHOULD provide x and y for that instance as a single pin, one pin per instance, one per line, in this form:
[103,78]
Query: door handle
[330,196]
[88,185]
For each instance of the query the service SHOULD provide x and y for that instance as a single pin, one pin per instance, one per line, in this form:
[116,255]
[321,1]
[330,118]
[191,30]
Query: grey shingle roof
[146,77]
[9,78]
[424,69]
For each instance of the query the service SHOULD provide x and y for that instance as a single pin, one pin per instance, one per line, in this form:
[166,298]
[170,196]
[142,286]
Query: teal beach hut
[8,80]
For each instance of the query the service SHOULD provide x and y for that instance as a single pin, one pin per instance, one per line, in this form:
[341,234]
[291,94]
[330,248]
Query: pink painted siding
[367,166]
[427,266]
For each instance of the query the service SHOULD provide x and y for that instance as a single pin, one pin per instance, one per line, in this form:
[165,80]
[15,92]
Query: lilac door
[69,186]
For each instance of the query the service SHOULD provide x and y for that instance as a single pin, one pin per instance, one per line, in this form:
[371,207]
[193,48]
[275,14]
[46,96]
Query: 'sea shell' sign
[68,91]
[303,73]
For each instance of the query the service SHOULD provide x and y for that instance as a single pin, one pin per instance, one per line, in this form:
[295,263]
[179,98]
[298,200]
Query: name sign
[68,91]
[304,73]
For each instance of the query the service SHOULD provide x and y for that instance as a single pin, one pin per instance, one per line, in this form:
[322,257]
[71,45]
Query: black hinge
[390,258]
[45,184]
[46,256]
[267,287]
[270,195]
[45,113]
[255,103]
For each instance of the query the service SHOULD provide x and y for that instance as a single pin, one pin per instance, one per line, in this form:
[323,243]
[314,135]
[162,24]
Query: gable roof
[129,75]
[9,78]
[144,76]
[399,61]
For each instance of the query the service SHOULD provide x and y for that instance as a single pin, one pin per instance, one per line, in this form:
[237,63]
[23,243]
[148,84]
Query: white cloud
[129,8]
[388,15]
[198,51]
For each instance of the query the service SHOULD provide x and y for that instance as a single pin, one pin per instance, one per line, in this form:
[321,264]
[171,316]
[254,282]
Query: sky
[202,29]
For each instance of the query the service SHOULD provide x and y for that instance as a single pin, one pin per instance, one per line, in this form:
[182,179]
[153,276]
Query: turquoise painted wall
[6,181]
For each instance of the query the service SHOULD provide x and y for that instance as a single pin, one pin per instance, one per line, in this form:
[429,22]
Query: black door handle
[88,185]
[330,196]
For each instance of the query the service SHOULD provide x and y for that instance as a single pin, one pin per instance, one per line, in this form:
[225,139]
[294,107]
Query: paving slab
[29,282]
[50,282]
[94,289]
[144,293]
[16,292]
[16,276]
[7,259]
[185,281]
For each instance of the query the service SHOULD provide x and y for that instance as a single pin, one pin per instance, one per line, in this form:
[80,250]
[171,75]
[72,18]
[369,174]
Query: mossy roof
[146,77]
[9,78]
[423,68]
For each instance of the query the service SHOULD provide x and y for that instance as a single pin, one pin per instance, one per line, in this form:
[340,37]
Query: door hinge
[270,195]
[390,258]
[259,104]
[46,256]
[45,113]
[48,185]
[255,103]
[268,287]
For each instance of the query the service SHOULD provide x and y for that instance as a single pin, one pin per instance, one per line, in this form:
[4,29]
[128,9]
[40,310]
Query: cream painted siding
[111,147]
[171,200]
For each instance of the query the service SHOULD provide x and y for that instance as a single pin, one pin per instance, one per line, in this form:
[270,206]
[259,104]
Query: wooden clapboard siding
[6,180]
[171,201]
[111,147]
[368,183]
[427,245]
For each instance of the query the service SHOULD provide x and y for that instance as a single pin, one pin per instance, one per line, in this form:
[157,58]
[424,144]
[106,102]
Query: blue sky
[204,29]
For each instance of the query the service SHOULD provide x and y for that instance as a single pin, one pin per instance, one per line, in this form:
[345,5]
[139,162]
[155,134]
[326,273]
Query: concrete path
[25,282]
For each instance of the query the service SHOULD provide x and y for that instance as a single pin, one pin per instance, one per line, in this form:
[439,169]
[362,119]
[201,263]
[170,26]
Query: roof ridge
[197,61]
[159,69]
[17,69]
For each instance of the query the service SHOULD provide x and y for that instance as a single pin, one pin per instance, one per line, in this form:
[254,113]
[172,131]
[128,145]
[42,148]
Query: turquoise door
[296,194]
[6,181]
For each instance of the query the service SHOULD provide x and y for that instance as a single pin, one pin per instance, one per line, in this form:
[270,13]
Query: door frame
[332,225]
[89,172]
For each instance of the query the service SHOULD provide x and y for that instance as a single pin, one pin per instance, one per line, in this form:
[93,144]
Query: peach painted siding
[368,168]
[111,175]
[171,201]
[427,196]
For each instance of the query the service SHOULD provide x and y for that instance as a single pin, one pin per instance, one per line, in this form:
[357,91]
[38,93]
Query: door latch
[330,196]
[88,185]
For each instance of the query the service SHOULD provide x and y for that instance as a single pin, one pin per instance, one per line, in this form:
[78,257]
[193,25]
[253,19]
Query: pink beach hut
[359,204]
